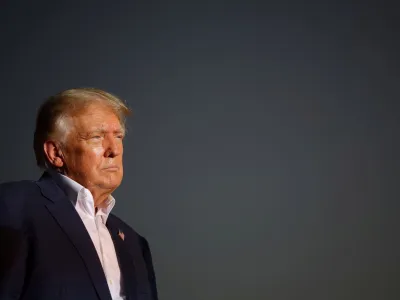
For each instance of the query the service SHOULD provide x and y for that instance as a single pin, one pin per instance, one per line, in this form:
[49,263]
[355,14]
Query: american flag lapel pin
[121,234]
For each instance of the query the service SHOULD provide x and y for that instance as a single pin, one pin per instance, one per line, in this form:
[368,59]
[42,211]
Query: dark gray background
[262,160]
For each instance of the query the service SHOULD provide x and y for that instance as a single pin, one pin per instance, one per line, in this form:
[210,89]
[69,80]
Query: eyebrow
[121,130]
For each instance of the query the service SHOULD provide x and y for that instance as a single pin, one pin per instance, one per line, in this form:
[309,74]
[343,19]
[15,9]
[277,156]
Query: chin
[112,183]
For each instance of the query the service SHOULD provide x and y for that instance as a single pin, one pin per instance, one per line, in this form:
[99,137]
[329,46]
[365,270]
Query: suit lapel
[68,219]
[131,261]
[124,259]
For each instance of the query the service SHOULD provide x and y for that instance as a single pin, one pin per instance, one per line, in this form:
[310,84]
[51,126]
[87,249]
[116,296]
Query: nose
[113,147]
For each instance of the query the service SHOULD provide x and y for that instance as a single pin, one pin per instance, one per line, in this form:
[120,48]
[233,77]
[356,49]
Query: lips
[111,168]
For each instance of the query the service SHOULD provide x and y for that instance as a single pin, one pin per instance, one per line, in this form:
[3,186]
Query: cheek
[98,151]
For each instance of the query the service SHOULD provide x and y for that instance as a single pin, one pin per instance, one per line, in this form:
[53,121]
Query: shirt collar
[82,197]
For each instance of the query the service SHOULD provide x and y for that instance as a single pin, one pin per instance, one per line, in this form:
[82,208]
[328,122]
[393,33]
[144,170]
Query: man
[58,237]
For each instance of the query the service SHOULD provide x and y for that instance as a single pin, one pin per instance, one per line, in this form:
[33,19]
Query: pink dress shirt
[95,223]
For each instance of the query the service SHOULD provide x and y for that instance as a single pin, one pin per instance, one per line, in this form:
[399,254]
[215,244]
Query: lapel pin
[121,234]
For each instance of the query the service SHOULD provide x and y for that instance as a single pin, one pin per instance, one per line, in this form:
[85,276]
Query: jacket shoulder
[14,194]
[17,188]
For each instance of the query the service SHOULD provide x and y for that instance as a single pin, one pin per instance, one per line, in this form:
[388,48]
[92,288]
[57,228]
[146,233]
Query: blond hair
[51,117]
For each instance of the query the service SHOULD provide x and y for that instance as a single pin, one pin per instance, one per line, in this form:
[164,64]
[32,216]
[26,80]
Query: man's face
[92,153]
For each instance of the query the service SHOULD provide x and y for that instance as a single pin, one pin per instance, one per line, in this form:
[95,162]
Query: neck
[100,197]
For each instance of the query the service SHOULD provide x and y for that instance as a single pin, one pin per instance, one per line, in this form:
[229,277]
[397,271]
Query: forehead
[96,116]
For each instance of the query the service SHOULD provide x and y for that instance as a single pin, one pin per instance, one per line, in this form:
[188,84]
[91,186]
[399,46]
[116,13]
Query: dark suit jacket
[47,254]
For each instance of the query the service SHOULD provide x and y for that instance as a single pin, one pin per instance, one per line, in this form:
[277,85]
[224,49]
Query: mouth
[111,168]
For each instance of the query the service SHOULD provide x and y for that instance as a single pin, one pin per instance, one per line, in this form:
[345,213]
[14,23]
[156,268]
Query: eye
[96,137]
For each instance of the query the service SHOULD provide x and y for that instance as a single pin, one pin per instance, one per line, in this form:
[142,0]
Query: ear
[53,153]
